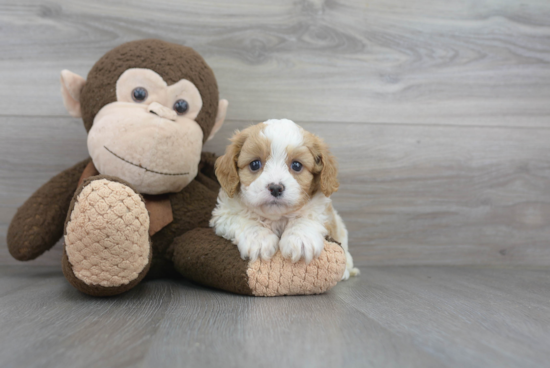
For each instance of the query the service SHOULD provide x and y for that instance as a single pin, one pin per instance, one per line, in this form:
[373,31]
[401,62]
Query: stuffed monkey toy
[140,205]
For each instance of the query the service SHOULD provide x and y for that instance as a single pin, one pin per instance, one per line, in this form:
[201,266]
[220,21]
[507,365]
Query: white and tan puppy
[276,183]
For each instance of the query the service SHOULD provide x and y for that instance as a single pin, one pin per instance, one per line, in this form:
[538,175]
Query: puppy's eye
[255,165]
[181,107]
[139,94]
[296,166]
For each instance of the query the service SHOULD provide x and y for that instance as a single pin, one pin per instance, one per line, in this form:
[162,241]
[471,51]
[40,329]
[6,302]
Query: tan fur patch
[325,170]
[256,147]
[304,178]
[280,276]
[303,155]
[332,225]
[227,166]
[107,239]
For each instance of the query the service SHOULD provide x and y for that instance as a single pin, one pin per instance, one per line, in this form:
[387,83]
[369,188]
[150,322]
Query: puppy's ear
[326,168]
[226,165]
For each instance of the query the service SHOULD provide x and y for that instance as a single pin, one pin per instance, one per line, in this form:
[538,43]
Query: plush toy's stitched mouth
[144,168]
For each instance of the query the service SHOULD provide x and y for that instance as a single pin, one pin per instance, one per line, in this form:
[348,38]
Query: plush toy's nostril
[162,111]
[276,189]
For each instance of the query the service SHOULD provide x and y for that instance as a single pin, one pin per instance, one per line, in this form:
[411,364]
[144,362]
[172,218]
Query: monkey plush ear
[220,118]
[71,86]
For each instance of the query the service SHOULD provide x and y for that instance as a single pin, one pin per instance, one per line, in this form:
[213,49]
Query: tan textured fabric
[281,277]
[159,206]
[107,240]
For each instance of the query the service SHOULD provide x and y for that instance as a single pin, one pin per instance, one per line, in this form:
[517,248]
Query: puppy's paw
[256,242]
[346,275]
[296,244]
[350,272]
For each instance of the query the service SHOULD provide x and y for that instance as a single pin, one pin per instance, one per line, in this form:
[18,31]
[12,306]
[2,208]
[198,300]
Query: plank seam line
[251,122]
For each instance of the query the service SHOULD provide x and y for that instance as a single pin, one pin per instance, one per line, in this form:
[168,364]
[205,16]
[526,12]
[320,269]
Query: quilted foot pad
[107,235]
[280,276]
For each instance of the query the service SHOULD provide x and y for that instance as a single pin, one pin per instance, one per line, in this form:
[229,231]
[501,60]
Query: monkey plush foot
[204,257]
[107,246]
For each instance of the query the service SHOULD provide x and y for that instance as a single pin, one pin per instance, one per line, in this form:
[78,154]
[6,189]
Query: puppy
[276,183]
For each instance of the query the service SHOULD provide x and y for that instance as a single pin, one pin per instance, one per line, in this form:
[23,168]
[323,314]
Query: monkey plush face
[149,136]
[148,109]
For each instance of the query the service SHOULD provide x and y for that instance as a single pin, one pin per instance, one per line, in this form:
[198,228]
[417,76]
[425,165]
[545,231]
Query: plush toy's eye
[255,165]
[181,107]
[139,94]
[296,166]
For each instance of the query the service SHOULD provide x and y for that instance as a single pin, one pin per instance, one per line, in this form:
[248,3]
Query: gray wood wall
[439,112]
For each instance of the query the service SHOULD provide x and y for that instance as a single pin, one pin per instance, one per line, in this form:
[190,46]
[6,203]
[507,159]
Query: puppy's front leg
[303,238]
[255,241]
[252,239]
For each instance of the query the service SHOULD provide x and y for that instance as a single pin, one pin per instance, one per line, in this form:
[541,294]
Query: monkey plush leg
[38,223]
[204,257]
[107,245]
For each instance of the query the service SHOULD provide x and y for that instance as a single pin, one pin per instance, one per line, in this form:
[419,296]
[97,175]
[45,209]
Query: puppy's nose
[276,189]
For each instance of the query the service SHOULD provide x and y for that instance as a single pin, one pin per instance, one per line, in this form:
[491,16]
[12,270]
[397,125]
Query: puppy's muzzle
[276,189]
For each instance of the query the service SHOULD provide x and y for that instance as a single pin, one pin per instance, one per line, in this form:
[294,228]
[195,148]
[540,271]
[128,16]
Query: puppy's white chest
[277,226]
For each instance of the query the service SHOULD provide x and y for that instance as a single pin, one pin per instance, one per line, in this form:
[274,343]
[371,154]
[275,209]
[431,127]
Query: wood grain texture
[470,317]
[388,317]
[466,63]
[439,195]
[437,112]
[409,194]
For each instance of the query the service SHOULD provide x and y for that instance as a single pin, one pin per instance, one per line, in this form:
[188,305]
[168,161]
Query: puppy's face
[276,167]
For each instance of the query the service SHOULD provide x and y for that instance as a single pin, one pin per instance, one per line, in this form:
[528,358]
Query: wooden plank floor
[439,116]
[417,195]
[438,113]
[393,316]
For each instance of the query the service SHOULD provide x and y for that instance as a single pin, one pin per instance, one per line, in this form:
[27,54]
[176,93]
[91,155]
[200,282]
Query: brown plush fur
[187,244]
[192,208]
[171,61]
[38,223]
[202,256]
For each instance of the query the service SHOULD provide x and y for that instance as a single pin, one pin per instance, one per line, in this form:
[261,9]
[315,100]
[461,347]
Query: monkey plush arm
[202,256]
[38,223]
[206,166]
